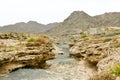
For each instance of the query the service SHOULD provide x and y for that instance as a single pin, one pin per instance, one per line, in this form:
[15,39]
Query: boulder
[13,35]
[91,52]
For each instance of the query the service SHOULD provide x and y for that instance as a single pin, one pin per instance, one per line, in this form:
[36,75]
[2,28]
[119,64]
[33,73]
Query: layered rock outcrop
[90,49]
[103,51]
[29,53]
[13,35]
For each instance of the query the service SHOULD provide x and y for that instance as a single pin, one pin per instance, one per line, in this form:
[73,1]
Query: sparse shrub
[42,39]
[10,48]
[103,76]
[103,39]
[71,38]
[6,33]
[38,41]
[115,69]
[31,40]
[107,39]
[83,35]
[115,44]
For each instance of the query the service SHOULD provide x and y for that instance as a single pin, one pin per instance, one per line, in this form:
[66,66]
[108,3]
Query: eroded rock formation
[103,51]
[32,52]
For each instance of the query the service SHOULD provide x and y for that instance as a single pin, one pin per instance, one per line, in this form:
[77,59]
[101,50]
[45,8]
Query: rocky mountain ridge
[77,22]
[80,21]
[29,27]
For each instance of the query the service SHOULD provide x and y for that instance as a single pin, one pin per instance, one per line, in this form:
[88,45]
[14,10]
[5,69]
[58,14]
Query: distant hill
[80,21]
[108,19]
[29,27]
[73,24]
[77,22]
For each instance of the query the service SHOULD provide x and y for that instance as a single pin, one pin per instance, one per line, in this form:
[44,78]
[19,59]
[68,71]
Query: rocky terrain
[102,51]
[62,66]
[18,50]
[91,57]
[89,48]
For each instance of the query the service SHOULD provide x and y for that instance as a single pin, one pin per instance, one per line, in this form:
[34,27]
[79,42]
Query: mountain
[50,25]
[77,22]
[80,21]
[108,19]
[29,27]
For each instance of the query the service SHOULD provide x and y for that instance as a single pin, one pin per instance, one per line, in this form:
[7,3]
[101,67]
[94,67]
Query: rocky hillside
[73,24]
[29,27]
[80,21]
[108,19]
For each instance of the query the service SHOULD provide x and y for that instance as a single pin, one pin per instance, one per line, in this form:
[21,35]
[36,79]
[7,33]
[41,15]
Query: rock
[92,52]
[100,51]
[106,63]
[103,76]
[94,49]
[25,54]
[95,53]
[13,35]
[58,50]
[118,78]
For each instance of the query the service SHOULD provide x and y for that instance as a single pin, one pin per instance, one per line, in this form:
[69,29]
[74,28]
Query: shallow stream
[62,68]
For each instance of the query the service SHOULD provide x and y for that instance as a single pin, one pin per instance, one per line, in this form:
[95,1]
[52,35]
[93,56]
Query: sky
[49,11]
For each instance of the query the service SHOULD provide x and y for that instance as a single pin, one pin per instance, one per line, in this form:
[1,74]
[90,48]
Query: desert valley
[82,47]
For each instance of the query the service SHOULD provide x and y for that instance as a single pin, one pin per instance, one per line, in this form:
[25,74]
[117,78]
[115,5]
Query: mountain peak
[77,16]
[34,23]
[79,13]
[30,22]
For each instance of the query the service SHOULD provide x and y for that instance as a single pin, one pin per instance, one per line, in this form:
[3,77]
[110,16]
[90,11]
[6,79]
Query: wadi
[82,47]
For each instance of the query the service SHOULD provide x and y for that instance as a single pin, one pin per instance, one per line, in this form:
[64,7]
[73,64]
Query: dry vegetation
[103,76]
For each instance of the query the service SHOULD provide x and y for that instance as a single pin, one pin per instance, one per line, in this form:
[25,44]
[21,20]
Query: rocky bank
[18,50]
[102,51]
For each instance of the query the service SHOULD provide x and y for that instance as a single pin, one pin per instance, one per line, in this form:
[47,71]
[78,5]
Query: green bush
[107,39]
[6,33]
[115,69]
[31,40]
[83,35]
[115,44]
[71,38]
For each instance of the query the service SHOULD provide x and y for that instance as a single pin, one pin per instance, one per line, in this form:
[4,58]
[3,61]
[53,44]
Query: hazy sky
[48,11]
